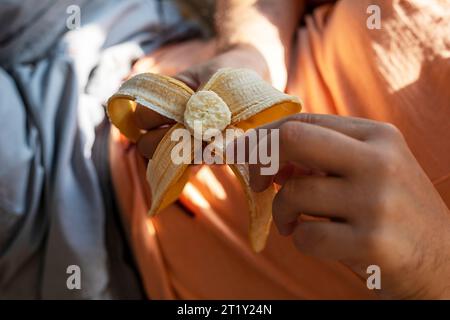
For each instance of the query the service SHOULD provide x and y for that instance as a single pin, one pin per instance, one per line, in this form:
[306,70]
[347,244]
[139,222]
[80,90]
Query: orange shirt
[198,248]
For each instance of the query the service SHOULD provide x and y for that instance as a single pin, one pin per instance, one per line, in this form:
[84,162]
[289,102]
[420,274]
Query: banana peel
[232,98]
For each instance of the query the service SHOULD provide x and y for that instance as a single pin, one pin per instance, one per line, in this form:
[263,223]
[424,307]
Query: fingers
[318,147]
[315,196]
[148,142]
[357,128]
[326,240]
[152,121]
[315,147]
[291,170]
[148,119]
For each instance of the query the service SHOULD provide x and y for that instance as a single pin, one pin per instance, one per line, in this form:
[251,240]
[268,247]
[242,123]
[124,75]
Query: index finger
[147,119]
[357,128]
[307,145]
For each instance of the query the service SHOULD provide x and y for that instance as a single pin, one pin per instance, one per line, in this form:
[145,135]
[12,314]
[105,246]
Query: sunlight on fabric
[192,193]
[206,175]
[150,227]
[403,60]
[406,72]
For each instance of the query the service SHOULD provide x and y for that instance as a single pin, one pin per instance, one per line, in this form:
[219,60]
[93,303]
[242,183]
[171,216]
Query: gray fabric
[52,86]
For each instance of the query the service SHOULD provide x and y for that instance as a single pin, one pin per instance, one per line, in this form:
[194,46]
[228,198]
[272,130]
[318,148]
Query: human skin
[380,208]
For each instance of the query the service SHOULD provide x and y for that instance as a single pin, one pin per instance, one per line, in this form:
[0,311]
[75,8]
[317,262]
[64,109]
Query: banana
[207,108]
[232,98]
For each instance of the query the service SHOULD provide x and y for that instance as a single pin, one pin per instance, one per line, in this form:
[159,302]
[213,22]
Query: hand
[240,56]
[366,201]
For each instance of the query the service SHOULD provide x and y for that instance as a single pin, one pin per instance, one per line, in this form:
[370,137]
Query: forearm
[268,25]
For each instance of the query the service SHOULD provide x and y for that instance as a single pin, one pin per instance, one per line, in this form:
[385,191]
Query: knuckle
[390,131]
[377,200]
[375,243]
[384,161]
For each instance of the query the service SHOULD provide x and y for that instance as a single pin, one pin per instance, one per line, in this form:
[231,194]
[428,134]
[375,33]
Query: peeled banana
[232,98]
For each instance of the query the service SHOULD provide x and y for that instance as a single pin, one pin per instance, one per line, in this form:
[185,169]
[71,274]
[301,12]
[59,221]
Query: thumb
[190,78]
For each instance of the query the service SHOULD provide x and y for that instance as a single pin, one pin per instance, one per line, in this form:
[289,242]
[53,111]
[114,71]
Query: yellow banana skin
[251,102]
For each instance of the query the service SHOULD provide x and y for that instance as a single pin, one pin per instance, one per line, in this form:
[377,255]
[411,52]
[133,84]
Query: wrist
[273,56]
[248,56]
[435,277]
